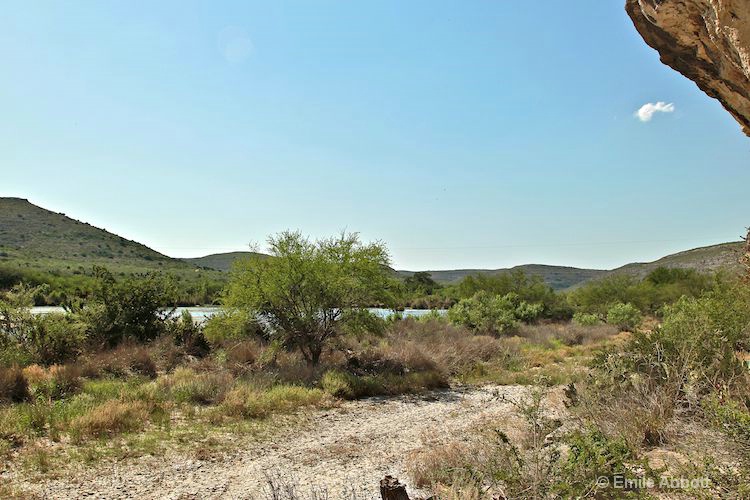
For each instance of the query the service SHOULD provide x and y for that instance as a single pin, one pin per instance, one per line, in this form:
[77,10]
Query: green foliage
[730,416]
[189,335]
[44,339]
[494,314]
[694,350]
[128,309]
[55,338]
[624,316]
[663,286]
[592,456]
[586,319]
[232,324]
[360,323]
[421,283]
[530,289]
[307,289]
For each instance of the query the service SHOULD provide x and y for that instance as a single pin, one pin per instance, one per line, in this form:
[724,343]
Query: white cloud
[646,112]
[234,44]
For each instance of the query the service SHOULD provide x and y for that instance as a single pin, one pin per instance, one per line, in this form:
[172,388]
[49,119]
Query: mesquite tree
[307,290]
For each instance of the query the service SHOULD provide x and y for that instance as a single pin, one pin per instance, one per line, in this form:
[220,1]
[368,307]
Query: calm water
[201,314]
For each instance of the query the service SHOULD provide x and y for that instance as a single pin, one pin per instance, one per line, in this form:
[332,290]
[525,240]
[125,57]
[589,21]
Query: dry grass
[123,361]
[185,385]
[14,387]
[569,334]
[247,401]
[110,418]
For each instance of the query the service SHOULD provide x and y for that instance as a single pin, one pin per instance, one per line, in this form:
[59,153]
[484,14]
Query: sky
[462,134]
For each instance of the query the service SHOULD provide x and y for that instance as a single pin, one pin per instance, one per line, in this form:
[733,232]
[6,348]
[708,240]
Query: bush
[188,335]
[592,456]
[55,338]
[132,309]
[494,314]
[627,317]
[586,319]
[308,291]
[14,387]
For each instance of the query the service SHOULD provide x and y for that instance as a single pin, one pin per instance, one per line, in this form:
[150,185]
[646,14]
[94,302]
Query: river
[202,313]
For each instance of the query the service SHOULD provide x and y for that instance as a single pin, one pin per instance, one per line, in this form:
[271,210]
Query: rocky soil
[337,453]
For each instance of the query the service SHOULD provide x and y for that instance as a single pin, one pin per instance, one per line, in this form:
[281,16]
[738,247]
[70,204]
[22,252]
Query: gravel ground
[337,453]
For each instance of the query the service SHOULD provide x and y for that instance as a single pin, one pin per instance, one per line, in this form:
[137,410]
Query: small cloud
[646,112]
[234,44]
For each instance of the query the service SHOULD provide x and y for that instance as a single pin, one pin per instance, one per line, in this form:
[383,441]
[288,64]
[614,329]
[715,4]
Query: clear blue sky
[463,134]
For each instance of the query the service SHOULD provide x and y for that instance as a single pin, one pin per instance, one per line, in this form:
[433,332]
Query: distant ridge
[709,258]
[223,261]
[558,277]
[33,238]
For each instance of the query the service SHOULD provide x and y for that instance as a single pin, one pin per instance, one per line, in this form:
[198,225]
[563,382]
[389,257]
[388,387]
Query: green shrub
[592,455]
[729,416]
[55,338]
[131,309]
[586,319]
[624,316]
[189,335]
[494,314]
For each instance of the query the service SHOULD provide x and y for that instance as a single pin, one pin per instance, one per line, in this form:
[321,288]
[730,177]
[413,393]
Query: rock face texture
[708,41]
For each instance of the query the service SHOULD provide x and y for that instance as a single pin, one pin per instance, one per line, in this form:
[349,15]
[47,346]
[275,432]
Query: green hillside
[41,246]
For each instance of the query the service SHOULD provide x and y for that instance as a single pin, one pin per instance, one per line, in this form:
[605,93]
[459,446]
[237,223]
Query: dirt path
[343,452]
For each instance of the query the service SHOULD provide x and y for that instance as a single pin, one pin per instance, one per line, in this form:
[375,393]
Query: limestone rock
[708,41]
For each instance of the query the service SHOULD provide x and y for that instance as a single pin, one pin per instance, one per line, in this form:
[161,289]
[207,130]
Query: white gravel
[343,451]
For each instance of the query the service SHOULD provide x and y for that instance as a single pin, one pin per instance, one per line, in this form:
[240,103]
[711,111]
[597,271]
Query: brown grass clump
[62,381]
[438,464]
[110,418]
[124,360]
[569,334]
[14,387]
[640,417]
[35,374]
[188,386]
[437,344]
[241,356]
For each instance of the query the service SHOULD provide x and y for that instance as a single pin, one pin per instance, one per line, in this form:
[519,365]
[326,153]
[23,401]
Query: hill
[41,246]
[558,277]
[705,259]
[222,261]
